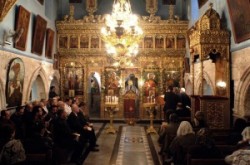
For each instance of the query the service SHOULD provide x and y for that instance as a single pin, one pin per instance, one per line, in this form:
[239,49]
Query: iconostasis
[90,74]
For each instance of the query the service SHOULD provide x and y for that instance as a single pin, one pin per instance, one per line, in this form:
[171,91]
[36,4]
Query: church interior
[114,82]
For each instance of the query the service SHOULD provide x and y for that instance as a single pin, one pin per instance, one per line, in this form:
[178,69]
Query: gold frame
[5,6]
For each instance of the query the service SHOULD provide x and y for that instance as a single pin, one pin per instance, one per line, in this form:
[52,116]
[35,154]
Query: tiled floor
[128,147]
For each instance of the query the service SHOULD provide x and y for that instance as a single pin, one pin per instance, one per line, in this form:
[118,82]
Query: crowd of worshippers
[182,141]
[46,126]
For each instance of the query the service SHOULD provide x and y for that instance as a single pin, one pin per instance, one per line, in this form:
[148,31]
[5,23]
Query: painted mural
[14,84]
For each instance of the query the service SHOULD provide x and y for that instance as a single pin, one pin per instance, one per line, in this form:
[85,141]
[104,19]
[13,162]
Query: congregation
[60,130]
[184,141]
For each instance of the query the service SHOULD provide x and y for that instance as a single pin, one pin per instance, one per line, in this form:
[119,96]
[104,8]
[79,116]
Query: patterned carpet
[132,145]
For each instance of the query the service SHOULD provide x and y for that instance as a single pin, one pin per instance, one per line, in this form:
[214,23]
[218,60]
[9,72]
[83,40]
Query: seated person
[5,119]
[199,120]
[179,146]
[12,151]
[76,125]
[65,138]
[168,133]
[38,142]
[242,155]
[235,135]
[204,146]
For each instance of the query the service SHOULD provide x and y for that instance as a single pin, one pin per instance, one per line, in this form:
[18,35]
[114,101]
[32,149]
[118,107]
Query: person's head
[37,111]
[170,88]
[52,88]
[176,90]
[61,104]
[28,107]
[5,114]
[173,118]
[35,103]
[62,114]
[204,137]
[41,104]
[246,134]
[199,115]
[185,128]
[44,101]
[75,108]
[19,110]
[182,90]
[54,109]
[54,101]
[68,101]
[239,125]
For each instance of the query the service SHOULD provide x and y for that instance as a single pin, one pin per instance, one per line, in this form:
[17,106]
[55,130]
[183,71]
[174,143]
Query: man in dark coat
[77,126]
[184,99]
[171,100]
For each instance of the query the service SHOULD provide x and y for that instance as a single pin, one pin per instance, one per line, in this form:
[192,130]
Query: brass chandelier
[121,33]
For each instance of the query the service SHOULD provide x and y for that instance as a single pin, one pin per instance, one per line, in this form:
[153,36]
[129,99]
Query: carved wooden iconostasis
[210,74]
[158,64]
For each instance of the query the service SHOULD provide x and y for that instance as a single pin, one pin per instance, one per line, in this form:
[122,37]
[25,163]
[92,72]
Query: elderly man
[86,132]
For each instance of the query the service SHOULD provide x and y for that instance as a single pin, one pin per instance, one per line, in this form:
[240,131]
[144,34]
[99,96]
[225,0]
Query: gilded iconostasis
[91,75]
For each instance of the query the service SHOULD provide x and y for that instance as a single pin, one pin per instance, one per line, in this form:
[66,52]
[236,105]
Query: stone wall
[241,77]
[33,68]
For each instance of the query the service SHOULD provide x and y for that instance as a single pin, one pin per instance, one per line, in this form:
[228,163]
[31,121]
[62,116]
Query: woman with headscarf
[242,155]
[179,146]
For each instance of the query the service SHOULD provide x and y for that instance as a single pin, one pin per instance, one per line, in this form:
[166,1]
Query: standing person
[171,100]
[184,99]
[52,92]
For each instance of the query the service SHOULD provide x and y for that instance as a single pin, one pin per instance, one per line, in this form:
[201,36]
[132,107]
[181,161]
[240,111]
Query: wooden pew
[207,162]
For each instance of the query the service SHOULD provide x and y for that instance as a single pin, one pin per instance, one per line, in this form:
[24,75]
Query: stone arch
[207,79]
[241,95]
[38,89]
[38,72]
[2,96]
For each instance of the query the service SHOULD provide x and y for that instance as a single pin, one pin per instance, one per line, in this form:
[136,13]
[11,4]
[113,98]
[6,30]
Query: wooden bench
[38,159]
[207,162]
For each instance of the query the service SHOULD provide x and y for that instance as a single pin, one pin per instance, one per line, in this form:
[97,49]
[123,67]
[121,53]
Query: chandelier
[121,33]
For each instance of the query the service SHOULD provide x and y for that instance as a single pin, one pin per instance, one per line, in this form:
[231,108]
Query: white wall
[35,8]
[38,90]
